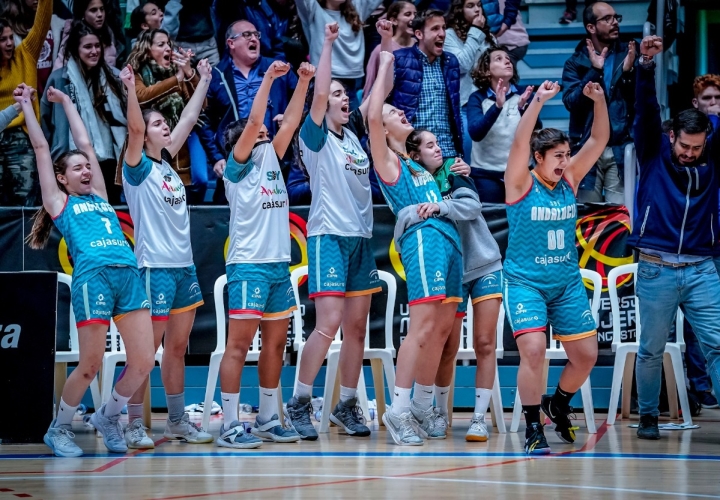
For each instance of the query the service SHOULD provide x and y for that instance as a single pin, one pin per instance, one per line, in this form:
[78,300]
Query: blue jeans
[661,289]
[695,361]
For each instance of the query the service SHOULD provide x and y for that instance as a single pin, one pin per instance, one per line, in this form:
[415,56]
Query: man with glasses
[235,83]
[602,58]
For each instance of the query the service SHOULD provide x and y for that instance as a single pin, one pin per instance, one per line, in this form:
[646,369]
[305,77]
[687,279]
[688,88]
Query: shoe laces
[357,414]
[301,413]
[406,424]
[64,436]
[441,421]
[137,430]
[476,422]
[191,425]
[115,430]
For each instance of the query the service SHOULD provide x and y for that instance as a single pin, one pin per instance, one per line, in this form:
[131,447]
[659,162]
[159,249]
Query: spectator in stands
[197,32]
[401,14]
[18,64]
[500,18]
[467,38]
[602,58]
[235,82]
[165,80]
[99,98]
[516,39]
[20,14]
[95,14]
[677,208]
[494,112]
[706,89]
[570,13]
[349,49]
[427,84]
[150,16]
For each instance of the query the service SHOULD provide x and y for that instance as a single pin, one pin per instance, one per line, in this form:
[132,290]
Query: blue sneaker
[298,411]
[234,436]
[60,440]
[111,431]
[272,430]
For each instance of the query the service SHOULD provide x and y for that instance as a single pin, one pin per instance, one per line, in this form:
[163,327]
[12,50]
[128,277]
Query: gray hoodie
[481,254]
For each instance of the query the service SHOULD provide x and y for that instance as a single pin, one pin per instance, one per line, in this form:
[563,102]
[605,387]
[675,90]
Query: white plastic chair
[468,352]
[624,349]
[253,354]
[556,351]
[381,359]
[62,358]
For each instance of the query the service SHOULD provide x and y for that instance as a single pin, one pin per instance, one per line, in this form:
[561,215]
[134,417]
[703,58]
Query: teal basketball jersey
[93,235]
[541,241]
[415,185]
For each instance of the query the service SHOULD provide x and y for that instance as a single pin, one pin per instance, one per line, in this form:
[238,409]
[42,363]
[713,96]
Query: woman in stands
[158,205]
[542,280]
[106,281]
[259,288]
[482,278]
[430,253]
[101,17]
[342,274]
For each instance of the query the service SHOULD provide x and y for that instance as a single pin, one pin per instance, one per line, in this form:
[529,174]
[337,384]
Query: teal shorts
[342,266]
[483,288]
[433,267]
[171,290]
[260,291]
[566,308]
[111,293]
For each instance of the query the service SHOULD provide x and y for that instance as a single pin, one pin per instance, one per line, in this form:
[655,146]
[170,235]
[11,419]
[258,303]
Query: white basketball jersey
[259,209]
[156,198]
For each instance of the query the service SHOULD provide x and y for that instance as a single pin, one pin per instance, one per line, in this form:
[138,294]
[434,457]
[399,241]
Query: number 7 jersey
[541,241]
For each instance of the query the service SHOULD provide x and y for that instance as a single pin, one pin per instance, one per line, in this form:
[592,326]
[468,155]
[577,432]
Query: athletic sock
[230,406]
[135,412]
[176,406]
[65,414]
[532,414]
[302,390]
[561,399]
[268,405]
[401,402]
[347,393]
[116,403]
[442,396]
[482,399]
[423,396]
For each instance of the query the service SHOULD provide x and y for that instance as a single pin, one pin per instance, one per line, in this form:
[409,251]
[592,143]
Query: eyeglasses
[610,18]
[247,35]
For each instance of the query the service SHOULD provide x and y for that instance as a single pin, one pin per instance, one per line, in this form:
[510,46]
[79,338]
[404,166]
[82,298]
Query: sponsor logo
[11,338]
[525,320]
[270,192]
[547,260]
[273,175]
[161,299]
[82,208]
[109,242]
[274,204]
[256,294]
[145,304]
[489,279]
[172,201]
[520,309]
[587,316]
[100,300]
[331,273]
[553,214]
[374,276]
[439,276]
[289,292]
[357,170]
[333,283]
[99,312]
[438,289]
[194,288]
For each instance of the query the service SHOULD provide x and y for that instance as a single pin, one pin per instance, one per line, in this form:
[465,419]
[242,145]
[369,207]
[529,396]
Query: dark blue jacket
[620,97]
[408,84]
[677,206]
[495,18]
[222,107]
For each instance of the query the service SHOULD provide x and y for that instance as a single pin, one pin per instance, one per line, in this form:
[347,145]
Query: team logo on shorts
[587,316]
[145,304]
[489,279]
[439,276]
[256,294]
[374,276]
[161,299]
[290,291]
[194,288]
[520,309]
[331,273]
[100,300]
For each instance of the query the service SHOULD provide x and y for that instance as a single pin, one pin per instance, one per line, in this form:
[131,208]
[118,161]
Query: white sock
[401,401]
[135,412]
[482,399]
[116,404]
[442,395]
[347,393]
[65,414]
[303,390]
[268,405]
[423,396]
[230,406]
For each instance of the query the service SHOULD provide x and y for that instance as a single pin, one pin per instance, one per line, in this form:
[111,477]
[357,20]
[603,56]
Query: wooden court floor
[609,464]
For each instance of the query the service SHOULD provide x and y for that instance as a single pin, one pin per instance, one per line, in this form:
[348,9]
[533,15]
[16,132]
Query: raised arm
[517,174]
[35,40]
[135,122]
[294,111]
[648,123]
[53,197]
[573,83]
[244,145]
[192,110]
[81,138]
[385,29]
[323,76]
[583,161]
[384,160]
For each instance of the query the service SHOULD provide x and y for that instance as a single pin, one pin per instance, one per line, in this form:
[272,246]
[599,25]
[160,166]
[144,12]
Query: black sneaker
[707,400]
[535,442]
[648,428]
[563,426]
[298,411]
[568,17]
[348,415]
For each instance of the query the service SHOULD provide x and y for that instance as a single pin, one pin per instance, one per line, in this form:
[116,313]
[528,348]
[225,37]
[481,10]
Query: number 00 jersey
[541,242]
[93,235]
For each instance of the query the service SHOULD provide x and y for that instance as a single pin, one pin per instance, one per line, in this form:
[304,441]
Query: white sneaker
[441,423]
[60,441]
[401,429]
[187,431]
[136,437]
[234,436]
[478,430]
[427,421]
